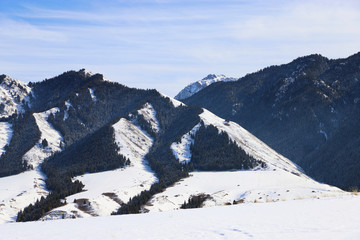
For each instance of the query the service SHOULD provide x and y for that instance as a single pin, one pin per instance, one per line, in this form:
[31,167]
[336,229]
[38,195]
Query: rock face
[307,110]
[195,87]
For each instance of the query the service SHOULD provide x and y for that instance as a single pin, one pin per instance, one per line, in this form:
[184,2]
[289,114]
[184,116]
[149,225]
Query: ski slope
[334,218]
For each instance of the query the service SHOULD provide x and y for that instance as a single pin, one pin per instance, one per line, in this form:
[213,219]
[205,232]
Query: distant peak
[195,87]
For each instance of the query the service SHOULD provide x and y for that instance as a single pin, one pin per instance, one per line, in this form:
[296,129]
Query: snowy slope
[181,150]
[6,133]
[149,114]
[175,102]
[241,186]
[250,144]
[12,93]
[281,180]
[105,191]
[18,191]
[297,220]
[195,87]
[38,153]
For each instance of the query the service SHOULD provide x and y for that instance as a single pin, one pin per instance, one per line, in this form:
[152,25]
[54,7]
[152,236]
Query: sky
[165,44]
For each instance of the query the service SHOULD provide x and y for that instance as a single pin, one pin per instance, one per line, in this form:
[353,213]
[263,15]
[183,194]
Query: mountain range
[78,145]
[307,110]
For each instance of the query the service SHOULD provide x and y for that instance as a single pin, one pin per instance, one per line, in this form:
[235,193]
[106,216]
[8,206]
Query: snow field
[323,219]
[18,191]
[6,133]
[245,186]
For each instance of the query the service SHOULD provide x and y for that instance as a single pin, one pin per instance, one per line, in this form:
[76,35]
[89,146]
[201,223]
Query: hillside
[85,146]
[307,110]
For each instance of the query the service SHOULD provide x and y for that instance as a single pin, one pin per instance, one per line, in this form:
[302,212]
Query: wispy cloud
[21,30]
[158,43]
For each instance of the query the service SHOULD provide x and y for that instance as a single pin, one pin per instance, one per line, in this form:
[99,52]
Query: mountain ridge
[296,108]
[84,128]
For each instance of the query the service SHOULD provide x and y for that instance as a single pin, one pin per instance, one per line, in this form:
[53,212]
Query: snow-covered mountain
[104,192]
[13,96]
[89,147]
[307,110]
[195,87]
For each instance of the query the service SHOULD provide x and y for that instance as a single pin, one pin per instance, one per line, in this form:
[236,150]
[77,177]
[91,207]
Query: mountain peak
[210,76]
[86,73]
[311,58]
[195,87]
[12,94]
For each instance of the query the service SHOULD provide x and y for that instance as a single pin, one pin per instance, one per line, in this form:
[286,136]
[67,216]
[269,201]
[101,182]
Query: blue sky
[167,44]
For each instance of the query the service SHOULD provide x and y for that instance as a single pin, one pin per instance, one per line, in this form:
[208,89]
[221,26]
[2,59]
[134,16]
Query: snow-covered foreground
[241,186]
[336,218]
